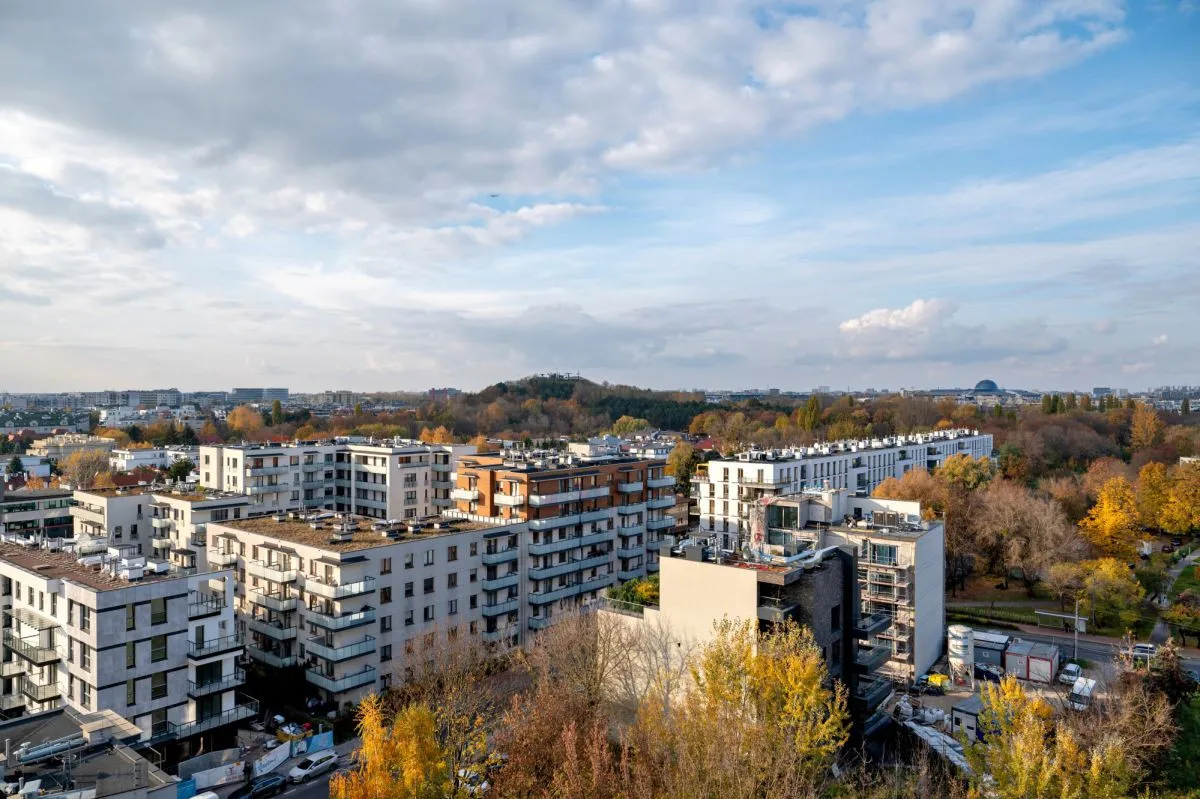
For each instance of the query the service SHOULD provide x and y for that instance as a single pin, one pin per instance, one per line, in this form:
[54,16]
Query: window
[385,653]
[474,548]
[452,607]
[451,554]
[158,611]
[130,617]
[85,656]
[70,650]
[385,624]
[385,595]
[131,692]
[130,654]
[428,562]
[835,618]
[158,648]
[474,575]
[385,566]
[428,585]
[474,627]
[85,695]
[429,613]
[474,601]
[408,561]
[452,580]
[85,618]
[408,589]
[408,618]
[158,685]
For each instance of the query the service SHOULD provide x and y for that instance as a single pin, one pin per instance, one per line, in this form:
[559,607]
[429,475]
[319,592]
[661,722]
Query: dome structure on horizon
[986,385]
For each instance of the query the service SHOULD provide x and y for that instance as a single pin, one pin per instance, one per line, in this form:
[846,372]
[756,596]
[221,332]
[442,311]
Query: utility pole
[1076,625]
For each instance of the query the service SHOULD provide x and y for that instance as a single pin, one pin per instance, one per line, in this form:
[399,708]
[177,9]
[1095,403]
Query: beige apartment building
[58,447]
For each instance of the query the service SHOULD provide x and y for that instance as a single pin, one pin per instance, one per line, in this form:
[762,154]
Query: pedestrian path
[1161,629]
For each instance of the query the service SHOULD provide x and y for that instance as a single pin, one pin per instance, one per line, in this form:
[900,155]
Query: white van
[1080,697]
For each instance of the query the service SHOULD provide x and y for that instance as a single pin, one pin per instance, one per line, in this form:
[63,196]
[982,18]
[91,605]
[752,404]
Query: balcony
[553,522]
[442,484]
[509,500]
[218,686]
[869,658]
[660,503]
[554,594]
[631,509]
[874,624]
[242,712]
[89,513]
[265,470]
[494,636]
[568,496]
[222,559]
[344,591]
[870,693]
[501,582]
[596,515]
[161,540]
[272,629]
[31,650]
[540,622]
[631,487]
[631,574]
[338,685]
[343,622]
[316,646]
[204,605]
[11,702]
[498,556]
[776,609]
[633,529]
[275,572]
[465,494]
[661,482]
[13,668]
[271,659]
[161,523]
[214,647]
[268,488]
[442,467]
[39,693]
[665,523]
[630,552]
[598,582]
[501,608]
[274,600]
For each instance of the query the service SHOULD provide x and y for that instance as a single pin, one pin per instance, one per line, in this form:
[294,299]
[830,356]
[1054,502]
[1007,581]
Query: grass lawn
[1187,579]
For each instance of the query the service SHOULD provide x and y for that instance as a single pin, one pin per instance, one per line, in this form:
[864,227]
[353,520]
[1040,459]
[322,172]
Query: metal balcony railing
[332,591]
[342,622]
[339,684]
[221,685]
[205,605]
[215,646]
[32,651]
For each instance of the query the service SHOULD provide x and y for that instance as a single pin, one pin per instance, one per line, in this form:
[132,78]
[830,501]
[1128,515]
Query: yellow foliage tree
[438,435]
[119,437]
[1146,428]
[399,757]
[244,420]
[1181,509]
[1153,486]
[81,468]
[1025,753]
[1112,525]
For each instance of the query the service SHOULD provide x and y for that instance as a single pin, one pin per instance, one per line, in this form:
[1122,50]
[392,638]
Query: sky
[703,193]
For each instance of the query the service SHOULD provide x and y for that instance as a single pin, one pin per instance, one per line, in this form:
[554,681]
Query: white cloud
[920,316]
[1158,341]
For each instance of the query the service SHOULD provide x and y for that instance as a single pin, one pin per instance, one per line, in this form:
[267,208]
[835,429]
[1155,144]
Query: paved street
[1096,651]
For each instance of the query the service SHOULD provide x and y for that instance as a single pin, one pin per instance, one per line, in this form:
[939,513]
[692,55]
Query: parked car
[1070,673]
[266,785]
[1168,548]
[1177,542]
[313,765]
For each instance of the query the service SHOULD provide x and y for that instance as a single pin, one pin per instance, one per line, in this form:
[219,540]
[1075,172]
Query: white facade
[126,460]
[729,488]
[383,480]
[98,627]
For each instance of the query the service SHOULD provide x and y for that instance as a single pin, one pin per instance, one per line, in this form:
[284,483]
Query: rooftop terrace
[335,532]
[100,568]
[848,446]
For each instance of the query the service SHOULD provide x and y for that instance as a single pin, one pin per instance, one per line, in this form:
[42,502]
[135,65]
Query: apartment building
[900,563]
[394,479]
[580,511]
[726,489]
[361,604]
[58,447]
[95,626]
[40,513]
[126,460]
[699,585]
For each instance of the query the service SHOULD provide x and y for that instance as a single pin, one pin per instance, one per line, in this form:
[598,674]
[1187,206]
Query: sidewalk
[1161,629]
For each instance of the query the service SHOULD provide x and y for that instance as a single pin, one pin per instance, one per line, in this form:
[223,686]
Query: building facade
[127,460]
[38,513]
[58,447]
[95,626]
[726,489]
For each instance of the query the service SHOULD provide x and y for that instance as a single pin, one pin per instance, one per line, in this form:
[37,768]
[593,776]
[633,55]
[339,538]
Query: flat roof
[166,492]
[364,535]
[66,566]
[34,493]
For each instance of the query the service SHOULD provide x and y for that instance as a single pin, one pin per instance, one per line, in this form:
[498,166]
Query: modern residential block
[41,513]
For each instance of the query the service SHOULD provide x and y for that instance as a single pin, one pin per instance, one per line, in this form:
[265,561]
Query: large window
[158,648]
[130,654]
[130,617]
[131,692]
[158,611]
[158,685]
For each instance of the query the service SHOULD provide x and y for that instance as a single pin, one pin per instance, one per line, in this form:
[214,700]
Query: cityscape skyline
[910,195]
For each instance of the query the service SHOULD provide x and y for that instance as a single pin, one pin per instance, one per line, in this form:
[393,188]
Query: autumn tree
[1023,532]
[438,435]
[1184,615]
[629,425]
[399,757]
[81,468]
[1153,488]
[1065,581]
[1112,525]
[1146,428]
[682,463]
[1181,510]
[1111,594]
[244,420]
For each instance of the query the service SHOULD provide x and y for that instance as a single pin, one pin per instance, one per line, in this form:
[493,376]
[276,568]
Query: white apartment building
[900,561]
[396,479]
[726,489]
[126,460]
[95,626]
[58,447]
[360,604]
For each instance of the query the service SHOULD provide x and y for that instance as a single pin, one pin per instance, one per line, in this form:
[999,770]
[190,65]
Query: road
[316,788]
[1093,651]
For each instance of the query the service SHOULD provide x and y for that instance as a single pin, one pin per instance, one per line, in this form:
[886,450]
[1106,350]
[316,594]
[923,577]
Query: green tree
[1071,402]
[1047,404]
[1185,407]
[276,412]
[180,470]
[628,425]
[14,466]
